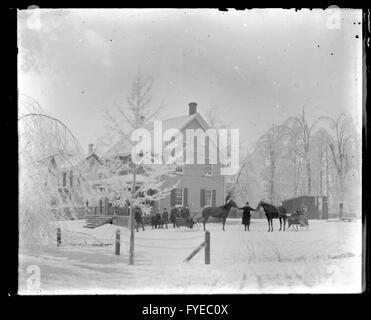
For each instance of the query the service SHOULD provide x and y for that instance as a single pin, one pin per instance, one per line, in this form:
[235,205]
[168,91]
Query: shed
[316,206]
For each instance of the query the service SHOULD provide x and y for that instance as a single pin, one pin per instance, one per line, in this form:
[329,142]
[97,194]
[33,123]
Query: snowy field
[325,258]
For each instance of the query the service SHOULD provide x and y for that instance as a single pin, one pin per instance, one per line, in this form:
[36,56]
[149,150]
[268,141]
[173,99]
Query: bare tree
[321,150]
[137,112]
[236,179]
[213,119]
[138,109]
[340,148]
[303,132]
[46,146]
[270,146]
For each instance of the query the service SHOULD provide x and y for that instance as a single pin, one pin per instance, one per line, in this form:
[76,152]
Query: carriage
[299,218]
[186,220]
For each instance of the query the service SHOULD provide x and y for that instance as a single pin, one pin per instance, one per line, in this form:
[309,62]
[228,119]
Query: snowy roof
[71,162]
[126,178]
[303,196]
[66,162]
[123,146]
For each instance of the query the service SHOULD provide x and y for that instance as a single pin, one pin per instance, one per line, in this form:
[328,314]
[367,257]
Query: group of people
[161,220]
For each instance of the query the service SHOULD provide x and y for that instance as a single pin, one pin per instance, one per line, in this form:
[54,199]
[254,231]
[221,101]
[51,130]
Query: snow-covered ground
[325,258]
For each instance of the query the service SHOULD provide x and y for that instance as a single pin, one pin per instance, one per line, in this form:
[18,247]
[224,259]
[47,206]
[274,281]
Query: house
[199,185]
[70,173]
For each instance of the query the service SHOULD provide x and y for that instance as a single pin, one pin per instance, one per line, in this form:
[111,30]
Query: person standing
[158,221]
[186,212]
[187,217]
[246,215]
[153,220]
[173,216]
[165,218]
[138,218]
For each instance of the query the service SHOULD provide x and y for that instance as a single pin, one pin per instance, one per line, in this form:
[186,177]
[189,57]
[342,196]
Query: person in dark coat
[187,216]
[173,213]
[153,220]
[138,218]
[186,213]
[165,218]
[246,215]
[158,223]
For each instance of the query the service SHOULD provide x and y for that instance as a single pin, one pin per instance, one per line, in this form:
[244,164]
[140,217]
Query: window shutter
[172,198]
[202,198]
[64,179]
[185,196]
[207,143]
[214,198]
[71,178]
[106,205]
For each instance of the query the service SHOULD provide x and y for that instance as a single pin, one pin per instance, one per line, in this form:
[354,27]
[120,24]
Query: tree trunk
[327,178]
[296,178]
[309,177]
[132,237]
[341,211]
[272,184]
[321,172]
[341,202]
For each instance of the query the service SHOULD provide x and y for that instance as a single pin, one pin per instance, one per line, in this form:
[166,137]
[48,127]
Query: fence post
[207,247]
[59,237]
[117,246]
[194,252]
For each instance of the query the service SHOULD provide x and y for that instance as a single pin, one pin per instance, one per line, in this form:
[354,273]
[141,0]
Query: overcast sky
[257,67]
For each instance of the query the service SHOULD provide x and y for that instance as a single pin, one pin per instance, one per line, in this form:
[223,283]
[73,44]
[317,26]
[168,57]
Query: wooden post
[132,240]
[132,207]
[194,252]
[207,247]
[59,237]
[117,246]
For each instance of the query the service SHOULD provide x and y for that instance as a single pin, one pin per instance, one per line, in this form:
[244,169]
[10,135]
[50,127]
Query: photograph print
[190,151]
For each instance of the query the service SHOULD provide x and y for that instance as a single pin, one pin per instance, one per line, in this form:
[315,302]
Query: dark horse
[272,212]
[218,212]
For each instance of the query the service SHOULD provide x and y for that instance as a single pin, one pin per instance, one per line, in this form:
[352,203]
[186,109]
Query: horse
[156,220]
[218,212]
[272,212]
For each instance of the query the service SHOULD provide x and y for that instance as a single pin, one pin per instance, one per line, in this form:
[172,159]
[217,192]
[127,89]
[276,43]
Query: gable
[193,124]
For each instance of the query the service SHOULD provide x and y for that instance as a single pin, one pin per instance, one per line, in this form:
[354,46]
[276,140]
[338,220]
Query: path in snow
[325,258]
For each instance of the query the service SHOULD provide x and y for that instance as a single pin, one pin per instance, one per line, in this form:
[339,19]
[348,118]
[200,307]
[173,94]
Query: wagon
[298,219]
[187,222]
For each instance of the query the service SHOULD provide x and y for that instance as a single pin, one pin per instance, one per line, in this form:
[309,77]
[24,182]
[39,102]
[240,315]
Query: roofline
[294,198]
[203,123]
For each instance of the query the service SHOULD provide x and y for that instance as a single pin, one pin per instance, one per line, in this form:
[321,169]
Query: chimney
[192,108]
[90,147]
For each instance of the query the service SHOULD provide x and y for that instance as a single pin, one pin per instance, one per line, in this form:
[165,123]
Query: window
[208,197]
[207,168]
[178,196]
